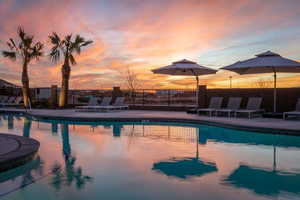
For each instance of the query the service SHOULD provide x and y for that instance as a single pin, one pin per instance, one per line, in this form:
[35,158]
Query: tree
[26,50]
[263,83]
[132,82]
[66,47]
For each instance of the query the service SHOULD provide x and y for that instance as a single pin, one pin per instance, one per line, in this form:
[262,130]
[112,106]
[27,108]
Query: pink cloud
[144,36]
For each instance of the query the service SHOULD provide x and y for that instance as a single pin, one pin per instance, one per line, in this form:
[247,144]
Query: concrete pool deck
[267,125]
[16,150]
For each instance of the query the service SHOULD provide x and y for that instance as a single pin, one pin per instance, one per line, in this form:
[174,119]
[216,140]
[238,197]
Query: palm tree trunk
[25,85]
[63,97]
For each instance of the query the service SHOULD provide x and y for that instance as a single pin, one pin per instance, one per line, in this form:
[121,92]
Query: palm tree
[66,47]
[26,50]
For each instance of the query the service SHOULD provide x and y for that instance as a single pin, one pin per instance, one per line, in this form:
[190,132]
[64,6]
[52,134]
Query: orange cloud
[151,34]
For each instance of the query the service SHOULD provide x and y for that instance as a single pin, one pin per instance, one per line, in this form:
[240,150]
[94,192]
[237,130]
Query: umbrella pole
[197,91]
[197,147]
[274,158]
[275,92]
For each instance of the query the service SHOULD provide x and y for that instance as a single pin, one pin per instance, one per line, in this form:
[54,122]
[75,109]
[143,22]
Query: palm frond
[79,42]
[54,54]
[87,43]
[21,33]
[55,39]
[37,51]
[58,45]
[72,59]
[12,44]
[10,54]
[68,37]
[79,39]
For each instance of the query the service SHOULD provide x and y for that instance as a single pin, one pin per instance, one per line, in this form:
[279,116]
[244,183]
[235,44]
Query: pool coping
[259,129]
[24,152]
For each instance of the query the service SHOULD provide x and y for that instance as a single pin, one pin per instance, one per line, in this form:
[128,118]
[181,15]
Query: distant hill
[5,84]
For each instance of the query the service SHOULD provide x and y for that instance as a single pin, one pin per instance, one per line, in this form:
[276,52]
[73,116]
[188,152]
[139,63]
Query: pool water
[144,160]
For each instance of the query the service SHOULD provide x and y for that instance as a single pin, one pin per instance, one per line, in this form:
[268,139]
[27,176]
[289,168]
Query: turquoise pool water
[115,160]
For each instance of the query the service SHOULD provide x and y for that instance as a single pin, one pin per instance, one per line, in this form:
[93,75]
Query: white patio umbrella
[185,68]
[267,62]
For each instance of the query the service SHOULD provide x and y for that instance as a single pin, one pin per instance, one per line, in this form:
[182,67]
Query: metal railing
[141,97]
[163,97]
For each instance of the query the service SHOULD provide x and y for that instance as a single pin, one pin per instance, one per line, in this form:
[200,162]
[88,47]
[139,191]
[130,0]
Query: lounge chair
[253,107]
[234,103]
[105,102]
[214,104]
[17,101]
[12,101]
[93,101]
[3,98]
[119,103]
[94,105]
[296,112]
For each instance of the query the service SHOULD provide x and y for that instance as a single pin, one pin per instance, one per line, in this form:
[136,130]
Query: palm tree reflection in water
[26,127]
[69,174]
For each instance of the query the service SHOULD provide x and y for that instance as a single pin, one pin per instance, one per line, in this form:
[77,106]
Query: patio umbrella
[185,68]
[267,62]
[186,166]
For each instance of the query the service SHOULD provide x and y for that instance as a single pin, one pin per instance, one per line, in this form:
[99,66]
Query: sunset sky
[143,35]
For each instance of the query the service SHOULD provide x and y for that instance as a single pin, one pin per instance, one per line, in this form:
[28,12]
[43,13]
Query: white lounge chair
[11,101]
[253,107]
[93,101]
[214,104]
[17,101]
[119,103]
[94,106]
[234,103]
[296,112]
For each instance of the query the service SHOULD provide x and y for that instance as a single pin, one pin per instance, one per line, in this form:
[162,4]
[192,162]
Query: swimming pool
[150,160]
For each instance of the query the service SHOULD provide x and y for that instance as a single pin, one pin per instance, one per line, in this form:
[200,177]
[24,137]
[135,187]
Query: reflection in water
[26,127]
[65,140]
[117,128]
[68,150]
[10,122]
[70,173]
[24,173]
[223,135]
[185,168]
[262,181]
[54,128]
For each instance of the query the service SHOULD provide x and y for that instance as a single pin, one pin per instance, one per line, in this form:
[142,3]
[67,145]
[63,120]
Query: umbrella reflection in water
[185,167]
[264,181]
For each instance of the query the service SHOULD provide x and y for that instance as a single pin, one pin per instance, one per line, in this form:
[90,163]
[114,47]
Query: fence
[159,97]
[181,99]
[141,98]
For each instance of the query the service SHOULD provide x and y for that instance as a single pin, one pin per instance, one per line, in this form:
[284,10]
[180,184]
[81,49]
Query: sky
[141,35]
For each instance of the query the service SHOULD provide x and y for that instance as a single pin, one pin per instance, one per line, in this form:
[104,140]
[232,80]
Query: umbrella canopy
[267,62]
[185,68]
[184,167]
[263,181]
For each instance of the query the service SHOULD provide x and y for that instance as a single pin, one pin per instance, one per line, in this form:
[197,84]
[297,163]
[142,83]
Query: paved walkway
[255,124]
[16,150]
